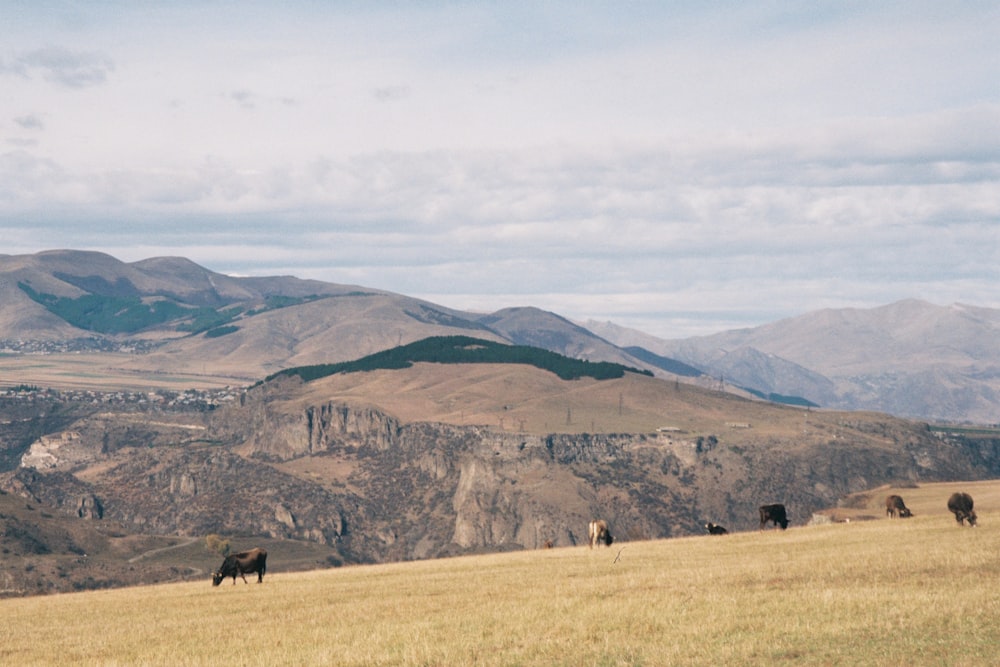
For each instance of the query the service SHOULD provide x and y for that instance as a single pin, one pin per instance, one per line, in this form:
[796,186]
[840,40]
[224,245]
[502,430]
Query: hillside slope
[172,321]
[444,459]
[917,593]
[188,320]
[909,358]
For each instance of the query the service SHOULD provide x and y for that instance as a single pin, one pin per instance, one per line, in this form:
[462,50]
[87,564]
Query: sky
[681,168]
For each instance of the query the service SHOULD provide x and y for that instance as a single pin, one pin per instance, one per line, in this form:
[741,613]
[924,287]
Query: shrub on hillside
[217,545]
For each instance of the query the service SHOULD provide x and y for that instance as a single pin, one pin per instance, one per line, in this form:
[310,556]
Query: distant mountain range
[206,322]
[910,358]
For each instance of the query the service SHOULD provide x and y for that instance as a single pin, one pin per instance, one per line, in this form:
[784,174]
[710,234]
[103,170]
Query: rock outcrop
[358,479]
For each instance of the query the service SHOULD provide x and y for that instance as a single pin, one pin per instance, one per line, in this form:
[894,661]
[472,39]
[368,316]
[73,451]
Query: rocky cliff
[377,489]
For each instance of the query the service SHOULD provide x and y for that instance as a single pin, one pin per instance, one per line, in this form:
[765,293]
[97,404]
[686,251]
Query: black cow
[246,562]
[960,504]
[715,529]
[774,513]
[894,506]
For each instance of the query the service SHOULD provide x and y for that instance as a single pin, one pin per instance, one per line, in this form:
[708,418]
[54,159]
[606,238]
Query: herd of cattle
[959,504]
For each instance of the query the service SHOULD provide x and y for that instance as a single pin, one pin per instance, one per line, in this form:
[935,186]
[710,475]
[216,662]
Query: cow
[960,504]
[894,506]
[774,513]
[715,529]
[243,563]
[598,532]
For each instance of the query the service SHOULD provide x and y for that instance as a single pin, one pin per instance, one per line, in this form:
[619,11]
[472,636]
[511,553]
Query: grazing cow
[246,562]
[598,532]
[715,529]
[894,506]
[774,513]
[960,504]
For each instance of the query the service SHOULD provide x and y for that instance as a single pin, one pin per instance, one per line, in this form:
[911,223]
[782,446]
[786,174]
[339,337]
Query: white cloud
[734,162]
[30,121]
[74,69]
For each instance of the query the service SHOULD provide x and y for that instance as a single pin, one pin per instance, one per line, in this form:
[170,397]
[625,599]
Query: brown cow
[598,532]
[715,529]
[894,506]
[774,513]
[246,562]
[960,504]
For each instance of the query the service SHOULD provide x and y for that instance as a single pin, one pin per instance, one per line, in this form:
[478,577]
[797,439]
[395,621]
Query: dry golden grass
[108,371]
[921,499]
[526,399]
[915,592]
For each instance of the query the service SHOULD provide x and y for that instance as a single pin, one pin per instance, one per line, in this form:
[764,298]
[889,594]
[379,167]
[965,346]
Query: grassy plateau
[920,591]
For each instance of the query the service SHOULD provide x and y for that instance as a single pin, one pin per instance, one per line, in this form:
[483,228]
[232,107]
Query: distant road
[152,552]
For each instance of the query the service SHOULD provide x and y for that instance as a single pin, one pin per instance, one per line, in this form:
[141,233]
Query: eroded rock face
[270,427]
[377,490]
[52,451]
[89,507]
[485,509]
[330,426]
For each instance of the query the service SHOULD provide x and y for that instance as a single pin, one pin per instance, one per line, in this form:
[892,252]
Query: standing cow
[894,506]
[960,504]
[715,529]
[246,562]
[598,532]
[774,513]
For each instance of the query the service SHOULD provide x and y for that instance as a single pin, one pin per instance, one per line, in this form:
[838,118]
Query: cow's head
[217,577]
[905,513]
[972,518]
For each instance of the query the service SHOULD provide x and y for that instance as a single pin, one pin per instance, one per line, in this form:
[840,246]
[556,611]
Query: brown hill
[261,325]
[909,358]
[515,397]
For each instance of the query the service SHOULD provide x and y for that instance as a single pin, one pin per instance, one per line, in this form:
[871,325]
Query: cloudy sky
[677,167]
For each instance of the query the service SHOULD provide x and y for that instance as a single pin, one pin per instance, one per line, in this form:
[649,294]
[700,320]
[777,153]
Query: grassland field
[920,591]
[107,372]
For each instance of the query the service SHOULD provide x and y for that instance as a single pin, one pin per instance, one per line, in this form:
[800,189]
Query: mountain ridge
[910,358]
[255,326]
